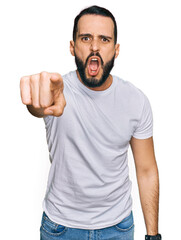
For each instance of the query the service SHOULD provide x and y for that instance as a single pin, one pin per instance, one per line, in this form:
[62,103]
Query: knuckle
[24,79]
[44,75]
[45,102]
[44,105]
[36,105]
[26,102]
[58,113]
[34,78]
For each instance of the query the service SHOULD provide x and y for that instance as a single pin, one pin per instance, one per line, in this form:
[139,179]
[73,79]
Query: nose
[95,47]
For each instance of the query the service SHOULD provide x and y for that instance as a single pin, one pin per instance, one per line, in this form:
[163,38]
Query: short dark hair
[95,10]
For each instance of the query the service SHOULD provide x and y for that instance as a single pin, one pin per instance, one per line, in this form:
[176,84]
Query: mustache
[94,54]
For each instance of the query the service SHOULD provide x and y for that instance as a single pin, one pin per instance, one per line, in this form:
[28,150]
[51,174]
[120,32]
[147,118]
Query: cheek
[81,52]
[108,53]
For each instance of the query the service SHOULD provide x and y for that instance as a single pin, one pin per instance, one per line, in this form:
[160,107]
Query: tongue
[93,65]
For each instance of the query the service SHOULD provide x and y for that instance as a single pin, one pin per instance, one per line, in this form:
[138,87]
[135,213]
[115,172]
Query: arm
[148,181]
[36,112]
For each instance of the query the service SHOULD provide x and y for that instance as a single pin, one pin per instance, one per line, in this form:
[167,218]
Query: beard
[93,81]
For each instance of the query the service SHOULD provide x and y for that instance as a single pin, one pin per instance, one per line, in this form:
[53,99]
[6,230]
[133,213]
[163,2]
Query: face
[94,49]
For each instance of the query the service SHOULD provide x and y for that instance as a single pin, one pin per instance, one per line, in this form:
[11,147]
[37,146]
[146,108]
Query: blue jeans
[52,231]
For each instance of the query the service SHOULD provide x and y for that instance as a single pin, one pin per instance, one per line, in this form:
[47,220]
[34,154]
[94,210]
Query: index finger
[56,81]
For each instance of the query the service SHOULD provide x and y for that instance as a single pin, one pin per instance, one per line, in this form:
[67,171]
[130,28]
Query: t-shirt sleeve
[48,123]
[144,128]
[47,120]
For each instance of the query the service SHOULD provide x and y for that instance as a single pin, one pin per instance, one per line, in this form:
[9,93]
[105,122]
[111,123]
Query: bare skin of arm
[148,181]
[36,112]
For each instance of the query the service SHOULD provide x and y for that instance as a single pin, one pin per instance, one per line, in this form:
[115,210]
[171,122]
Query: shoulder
[129,91]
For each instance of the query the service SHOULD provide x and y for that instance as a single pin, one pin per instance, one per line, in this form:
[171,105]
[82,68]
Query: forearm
[148,183]
[37,112]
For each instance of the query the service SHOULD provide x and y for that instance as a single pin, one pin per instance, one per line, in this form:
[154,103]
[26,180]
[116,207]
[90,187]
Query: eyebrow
[90,35]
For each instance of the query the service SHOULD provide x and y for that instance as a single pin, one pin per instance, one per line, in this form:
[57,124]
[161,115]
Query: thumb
[58,107]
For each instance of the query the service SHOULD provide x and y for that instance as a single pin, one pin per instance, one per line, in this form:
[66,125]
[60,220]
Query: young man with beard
[89,191]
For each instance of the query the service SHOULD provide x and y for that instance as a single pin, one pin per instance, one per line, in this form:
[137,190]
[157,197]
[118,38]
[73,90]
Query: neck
[103,87]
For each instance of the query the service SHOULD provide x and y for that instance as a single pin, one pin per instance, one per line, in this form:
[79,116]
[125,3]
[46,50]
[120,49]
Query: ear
[72,48]
[117,48]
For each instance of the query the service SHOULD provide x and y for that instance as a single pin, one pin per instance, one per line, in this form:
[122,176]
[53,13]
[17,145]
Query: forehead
[95,24]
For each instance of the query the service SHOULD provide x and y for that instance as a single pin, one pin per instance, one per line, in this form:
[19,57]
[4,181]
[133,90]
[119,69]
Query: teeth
[94,59]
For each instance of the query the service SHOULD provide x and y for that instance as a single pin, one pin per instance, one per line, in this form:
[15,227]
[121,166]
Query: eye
[85,39]
[104,39]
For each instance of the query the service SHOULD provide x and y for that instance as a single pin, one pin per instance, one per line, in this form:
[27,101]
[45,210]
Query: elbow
[150,172]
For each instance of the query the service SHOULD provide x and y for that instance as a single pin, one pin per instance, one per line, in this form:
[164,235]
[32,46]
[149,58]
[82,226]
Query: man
[89,190]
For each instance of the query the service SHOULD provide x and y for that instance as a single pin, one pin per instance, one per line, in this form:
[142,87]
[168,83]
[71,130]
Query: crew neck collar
[93,92]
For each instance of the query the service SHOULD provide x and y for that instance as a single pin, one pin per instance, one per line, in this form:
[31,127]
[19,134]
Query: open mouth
[94,64]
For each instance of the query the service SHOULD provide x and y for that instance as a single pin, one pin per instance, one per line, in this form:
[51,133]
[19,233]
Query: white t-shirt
[88,185]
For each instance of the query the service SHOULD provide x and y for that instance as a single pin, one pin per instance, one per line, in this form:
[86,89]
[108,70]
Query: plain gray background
[35,37]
